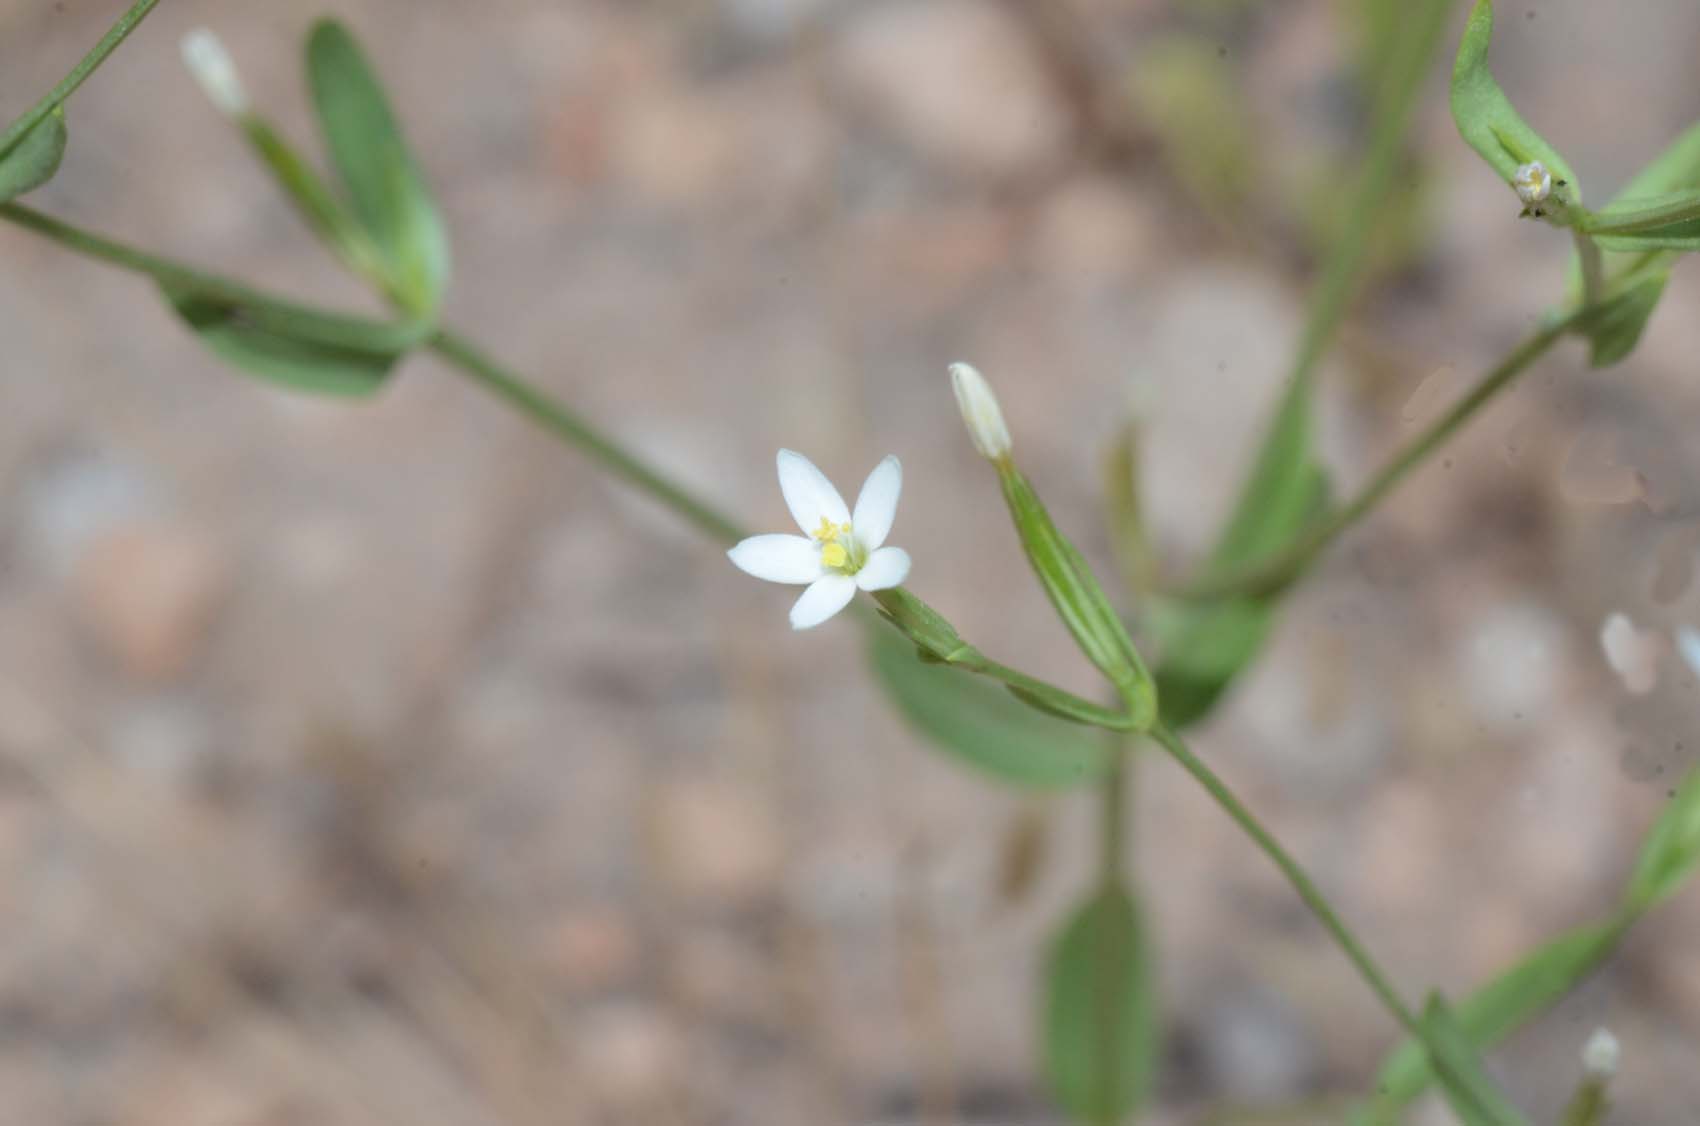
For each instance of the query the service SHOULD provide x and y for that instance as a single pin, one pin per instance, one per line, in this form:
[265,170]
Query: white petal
[824,598]
[887,567]
[778,558]
[808,494]
[876,504]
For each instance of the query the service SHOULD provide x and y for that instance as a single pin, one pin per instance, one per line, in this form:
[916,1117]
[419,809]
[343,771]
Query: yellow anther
[828,531]
[834,555]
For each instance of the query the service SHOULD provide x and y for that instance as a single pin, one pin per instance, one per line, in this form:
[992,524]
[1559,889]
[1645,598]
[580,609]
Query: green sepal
[1079,601]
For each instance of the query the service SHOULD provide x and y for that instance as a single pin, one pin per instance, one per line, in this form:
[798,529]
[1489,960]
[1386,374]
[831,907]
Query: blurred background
[382,763]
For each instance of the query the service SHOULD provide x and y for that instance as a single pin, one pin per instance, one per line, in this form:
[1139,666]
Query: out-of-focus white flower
[1533,182]
[1600,1054]
[211,66]
[1688,644]
[840,551]
[980,411]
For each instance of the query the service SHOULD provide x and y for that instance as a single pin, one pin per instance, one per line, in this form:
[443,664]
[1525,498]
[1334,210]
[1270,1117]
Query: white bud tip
[1600,1054]
[980,412]
[1533,182]
[212,67]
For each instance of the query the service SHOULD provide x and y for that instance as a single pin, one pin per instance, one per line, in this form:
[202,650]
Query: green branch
[1264,576]
[79,74]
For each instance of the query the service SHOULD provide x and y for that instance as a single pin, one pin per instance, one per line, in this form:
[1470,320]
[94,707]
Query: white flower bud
[980,412]
[1533,182]
[211,66]
[1600,1054]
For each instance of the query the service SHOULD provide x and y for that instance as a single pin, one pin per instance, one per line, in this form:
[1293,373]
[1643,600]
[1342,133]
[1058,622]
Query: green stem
[553,416]
[1593,268]
[1265,576]
[1354,950]
[1111,1038]
[575,430]
[1112,840]
[68,85]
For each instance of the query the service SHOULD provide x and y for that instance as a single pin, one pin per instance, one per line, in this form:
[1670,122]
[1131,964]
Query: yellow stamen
[834,555]
[828,531]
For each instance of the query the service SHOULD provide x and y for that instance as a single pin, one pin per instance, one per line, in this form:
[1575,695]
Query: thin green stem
[1314,899]
[534,404]
[1112,839]
[115,35]
[1593,267]
[91,245]
[1268,575]
[570,427]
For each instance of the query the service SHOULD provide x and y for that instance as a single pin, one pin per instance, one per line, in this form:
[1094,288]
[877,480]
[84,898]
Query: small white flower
[839,551]
[211,66]
[1600,1054]
[1533,182]
[980,412]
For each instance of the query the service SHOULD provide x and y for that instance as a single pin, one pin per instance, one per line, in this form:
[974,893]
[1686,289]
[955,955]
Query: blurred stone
[1512,661]
[591,948]
[959,82]
[724,975]
[1255,1049]
[630,1055]
[1632,653]
[1091,230]
[72,500]
[714,842]
[673,147]
[147,592]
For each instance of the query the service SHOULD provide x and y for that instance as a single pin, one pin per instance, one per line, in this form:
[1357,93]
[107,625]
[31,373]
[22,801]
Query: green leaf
[35,158]
[384,183]
[1671,851]
[1206,645]
[1101,1022]
[1484,115]
[1498,1008]
[1614,327]
[1471,1094]
[304,349]
[1676,168]
[983,725]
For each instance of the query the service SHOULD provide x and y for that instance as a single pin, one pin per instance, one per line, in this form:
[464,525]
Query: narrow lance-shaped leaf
[35,158]
[303,349]
[1500,1007]
[982,725]
[1484,115]
[1205,645]
[384,183]
[1101,1019]
[1614,327]
[1471,1094]
[1671,851]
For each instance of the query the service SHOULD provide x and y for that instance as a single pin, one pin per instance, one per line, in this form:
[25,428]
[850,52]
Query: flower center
[837,548]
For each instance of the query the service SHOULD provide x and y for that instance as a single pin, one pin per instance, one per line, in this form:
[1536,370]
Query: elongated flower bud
[980,412]
[1600,1054]
[211,66]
